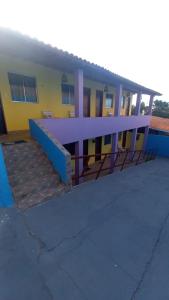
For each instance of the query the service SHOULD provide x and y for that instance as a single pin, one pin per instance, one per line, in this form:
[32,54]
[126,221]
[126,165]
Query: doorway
[2,119]
[98,147]
[85,152]
[86,103]
[99,103]
[124,139]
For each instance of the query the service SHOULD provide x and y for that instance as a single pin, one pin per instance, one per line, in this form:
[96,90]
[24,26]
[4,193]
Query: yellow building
[37,81]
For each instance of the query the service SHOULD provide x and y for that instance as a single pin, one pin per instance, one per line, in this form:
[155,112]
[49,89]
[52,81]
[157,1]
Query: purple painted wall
[74,129]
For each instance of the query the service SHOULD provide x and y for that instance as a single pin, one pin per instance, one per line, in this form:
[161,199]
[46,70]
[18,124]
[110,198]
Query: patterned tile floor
[31,175]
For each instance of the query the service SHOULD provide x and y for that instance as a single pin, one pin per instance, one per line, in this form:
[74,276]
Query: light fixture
[64,78]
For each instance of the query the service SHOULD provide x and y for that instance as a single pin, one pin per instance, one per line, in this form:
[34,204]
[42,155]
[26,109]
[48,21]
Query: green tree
[160,109]
[142,108]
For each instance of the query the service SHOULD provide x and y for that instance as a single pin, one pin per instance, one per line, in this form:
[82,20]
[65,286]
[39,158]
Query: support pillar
[146,132]
[78,114]
[114,149]
[133,142]
[138,104]
[118,97]
[150,104]
[79,94]
[78,162]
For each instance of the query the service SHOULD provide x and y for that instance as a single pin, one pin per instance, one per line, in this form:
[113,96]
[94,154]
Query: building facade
[87,108]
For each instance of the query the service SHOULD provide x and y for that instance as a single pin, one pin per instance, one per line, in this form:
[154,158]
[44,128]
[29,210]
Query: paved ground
[107,240]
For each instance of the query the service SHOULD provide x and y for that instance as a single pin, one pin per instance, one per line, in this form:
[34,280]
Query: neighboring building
[159,125]
[86,107]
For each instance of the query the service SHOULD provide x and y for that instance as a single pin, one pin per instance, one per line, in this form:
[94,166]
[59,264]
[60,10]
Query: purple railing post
[79,94]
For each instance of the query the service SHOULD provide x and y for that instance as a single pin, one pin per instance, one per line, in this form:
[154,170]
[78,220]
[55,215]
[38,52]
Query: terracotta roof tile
[159,123]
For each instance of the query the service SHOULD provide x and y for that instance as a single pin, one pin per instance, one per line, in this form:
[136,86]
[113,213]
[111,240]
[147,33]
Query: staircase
[31,175]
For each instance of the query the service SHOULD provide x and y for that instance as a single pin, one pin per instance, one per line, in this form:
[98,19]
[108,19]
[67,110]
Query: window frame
[109,96]
[23,86]
[73,91]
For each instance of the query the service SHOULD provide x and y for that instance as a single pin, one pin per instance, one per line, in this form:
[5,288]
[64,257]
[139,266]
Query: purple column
[146,132]
[118,97]
[138,104]
[133,141]
[134,131]
[78,162]
[115,142]
[79,94]
[150,104]
[78,114]
[114,148]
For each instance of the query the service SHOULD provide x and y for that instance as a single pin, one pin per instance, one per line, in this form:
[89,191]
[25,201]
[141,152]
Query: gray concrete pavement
[105,240]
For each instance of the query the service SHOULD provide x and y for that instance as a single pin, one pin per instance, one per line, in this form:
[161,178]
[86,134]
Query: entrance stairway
[31,175]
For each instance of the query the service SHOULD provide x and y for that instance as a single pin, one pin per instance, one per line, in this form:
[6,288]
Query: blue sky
[129,37]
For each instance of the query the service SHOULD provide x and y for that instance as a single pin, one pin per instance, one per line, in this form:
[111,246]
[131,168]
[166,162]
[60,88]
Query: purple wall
[75,129]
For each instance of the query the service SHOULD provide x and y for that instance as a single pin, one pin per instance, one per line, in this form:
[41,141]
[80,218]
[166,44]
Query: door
[86,103]
[2,119]
[124,139]
[99,103]
[98,147]
[85,152]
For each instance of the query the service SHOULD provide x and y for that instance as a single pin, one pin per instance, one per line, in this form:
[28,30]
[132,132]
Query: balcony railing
[109,162]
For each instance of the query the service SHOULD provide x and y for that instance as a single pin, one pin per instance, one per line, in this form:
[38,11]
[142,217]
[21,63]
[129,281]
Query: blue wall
[6,198]
[159,143]
[54,154]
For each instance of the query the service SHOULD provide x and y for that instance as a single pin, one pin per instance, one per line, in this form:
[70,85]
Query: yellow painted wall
[48,81]
[139,142]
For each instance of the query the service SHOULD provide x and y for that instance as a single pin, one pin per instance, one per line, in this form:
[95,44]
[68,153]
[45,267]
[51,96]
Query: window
[123,98]
[107,139]
[67,94]
[109,100]
[23,88]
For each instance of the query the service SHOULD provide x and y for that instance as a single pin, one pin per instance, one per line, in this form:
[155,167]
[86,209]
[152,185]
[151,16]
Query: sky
[128,37]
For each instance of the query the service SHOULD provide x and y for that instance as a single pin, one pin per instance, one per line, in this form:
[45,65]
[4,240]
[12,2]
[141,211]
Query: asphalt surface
[105,240]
